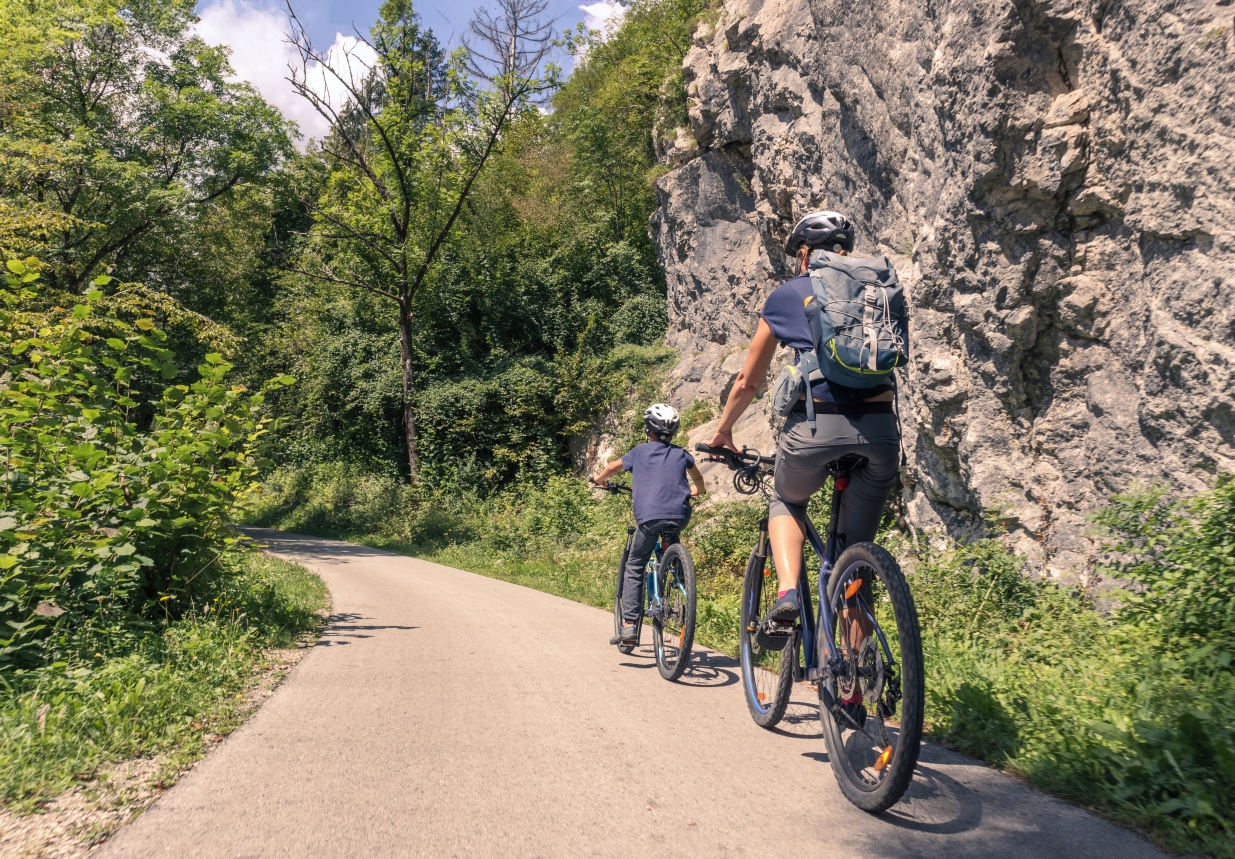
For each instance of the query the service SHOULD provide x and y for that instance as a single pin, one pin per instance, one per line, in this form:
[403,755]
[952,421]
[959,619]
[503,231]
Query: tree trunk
[409,414]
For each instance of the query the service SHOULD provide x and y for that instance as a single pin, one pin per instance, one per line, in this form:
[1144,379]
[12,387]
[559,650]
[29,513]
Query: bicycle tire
[856,750]
[617,604]
[767,675]
[676,569]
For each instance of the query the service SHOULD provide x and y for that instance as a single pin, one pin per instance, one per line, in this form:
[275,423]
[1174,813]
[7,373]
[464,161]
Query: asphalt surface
[445,714]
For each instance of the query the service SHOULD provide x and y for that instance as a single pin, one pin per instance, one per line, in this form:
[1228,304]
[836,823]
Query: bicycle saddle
[845,464]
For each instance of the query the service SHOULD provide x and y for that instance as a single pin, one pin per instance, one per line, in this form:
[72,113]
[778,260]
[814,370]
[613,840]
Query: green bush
[1181,554]
[114,502]
[1130,713]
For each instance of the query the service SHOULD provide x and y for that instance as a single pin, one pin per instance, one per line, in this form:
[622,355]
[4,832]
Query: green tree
[408,140]
[120,136]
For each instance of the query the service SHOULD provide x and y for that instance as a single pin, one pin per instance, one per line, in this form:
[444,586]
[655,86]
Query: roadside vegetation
[170,694]
[131,171]
[133,619]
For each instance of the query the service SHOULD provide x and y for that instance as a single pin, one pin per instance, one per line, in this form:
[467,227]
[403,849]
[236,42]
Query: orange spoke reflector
[761,696]
[882,760]
[853,588]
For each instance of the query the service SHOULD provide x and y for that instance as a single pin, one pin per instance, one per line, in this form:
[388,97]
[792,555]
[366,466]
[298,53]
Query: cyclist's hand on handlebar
[723,439]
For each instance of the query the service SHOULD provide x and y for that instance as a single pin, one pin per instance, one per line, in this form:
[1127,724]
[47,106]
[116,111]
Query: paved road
[445,714]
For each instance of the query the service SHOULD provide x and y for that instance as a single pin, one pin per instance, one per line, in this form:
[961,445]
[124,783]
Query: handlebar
[750,471]
[733,459]
[609,486]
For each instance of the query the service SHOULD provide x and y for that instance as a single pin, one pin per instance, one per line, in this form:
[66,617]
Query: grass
[171,695]
[1117,713]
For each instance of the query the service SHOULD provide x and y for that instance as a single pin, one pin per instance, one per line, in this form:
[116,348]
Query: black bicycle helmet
[821,230]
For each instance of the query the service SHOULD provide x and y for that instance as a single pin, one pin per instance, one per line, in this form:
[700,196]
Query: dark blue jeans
[641,548]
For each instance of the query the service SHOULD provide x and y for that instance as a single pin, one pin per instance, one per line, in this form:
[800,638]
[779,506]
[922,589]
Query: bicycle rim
[872,710]
[673,627]
[767,672]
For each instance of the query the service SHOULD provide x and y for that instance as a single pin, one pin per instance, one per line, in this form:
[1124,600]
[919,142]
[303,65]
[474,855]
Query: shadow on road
[801,721]
[709,669]
[345,625]
[287,542]
[936,803]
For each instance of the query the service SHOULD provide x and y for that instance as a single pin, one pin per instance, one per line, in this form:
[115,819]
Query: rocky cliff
[1055,181]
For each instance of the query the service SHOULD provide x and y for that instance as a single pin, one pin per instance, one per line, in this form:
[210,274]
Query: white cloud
[262,56]
[604,15]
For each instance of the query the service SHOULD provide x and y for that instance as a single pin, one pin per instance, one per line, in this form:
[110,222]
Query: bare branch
[507,49]
[329,276]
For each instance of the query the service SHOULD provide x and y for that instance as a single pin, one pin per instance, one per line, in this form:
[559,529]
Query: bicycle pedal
[774,636]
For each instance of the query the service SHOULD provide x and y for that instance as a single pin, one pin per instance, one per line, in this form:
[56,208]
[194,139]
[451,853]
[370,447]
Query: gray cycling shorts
[802,460]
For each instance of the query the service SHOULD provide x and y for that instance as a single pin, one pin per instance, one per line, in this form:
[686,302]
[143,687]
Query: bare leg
[788,539]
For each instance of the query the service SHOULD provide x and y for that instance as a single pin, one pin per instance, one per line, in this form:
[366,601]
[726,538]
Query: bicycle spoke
[873,754]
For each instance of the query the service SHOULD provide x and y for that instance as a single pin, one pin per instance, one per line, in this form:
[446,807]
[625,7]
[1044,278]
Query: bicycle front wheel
[767,663]
[673,623]
[879,642]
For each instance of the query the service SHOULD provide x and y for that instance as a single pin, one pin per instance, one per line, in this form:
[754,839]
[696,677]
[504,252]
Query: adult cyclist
[848,421]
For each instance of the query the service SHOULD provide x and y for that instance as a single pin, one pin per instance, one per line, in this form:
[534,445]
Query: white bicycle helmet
[821,229]
[662,420]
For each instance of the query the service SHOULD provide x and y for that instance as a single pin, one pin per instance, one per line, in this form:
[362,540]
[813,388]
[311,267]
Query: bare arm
[696,477]
[607,473]
[750,378]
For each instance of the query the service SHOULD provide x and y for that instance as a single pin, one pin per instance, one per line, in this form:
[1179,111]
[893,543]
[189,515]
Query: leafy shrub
[109,519]
[641,320]
[1182,555]
[1131,713]
[721,537]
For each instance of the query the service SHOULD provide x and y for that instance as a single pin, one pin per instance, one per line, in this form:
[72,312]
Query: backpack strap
[809,360]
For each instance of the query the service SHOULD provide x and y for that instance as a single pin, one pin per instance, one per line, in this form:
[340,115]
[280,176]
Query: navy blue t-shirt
[785,313]
[659,472]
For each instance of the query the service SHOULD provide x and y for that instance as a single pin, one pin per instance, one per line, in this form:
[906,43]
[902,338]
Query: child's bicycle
[669,598]
[862,675]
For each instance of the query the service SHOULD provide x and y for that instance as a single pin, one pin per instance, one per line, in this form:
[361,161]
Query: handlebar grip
[715,451]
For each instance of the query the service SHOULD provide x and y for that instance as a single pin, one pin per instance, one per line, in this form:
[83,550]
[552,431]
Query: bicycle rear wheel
[880,644]
[673,624]
[767,664]
[617,603]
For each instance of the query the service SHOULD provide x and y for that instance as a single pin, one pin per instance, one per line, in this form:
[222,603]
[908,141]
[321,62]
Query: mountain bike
[862,649]
[669,599]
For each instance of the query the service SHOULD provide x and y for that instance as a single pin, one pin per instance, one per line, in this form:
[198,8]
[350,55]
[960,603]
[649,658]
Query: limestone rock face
[1055,182]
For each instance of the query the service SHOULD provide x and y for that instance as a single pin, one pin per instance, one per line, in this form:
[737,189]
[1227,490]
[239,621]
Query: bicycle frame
[820,623]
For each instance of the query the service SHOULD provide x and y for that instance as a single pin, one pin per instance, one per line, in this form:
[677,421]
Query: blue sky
[444,17]
[254,30]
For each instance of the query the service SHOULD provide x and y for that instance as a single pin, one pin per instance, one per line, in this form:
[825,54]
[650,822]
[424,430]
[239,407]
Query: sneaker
[786,609]
[628,635]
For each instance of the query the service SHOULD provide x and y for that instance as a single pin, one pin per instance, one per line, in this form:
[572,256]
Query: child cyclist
[661,500]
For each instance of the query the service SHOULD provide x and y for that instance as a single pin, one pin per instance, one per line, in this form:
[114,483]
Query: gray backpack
[860,326]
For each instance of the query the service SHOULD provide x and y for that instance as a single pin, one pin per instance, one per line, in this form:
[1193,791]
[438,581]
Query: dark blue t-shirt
[785,313]
[659,472]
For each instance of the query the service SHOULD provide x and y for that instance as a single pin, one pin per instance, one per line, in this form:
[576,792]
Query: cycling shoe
[786,609]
